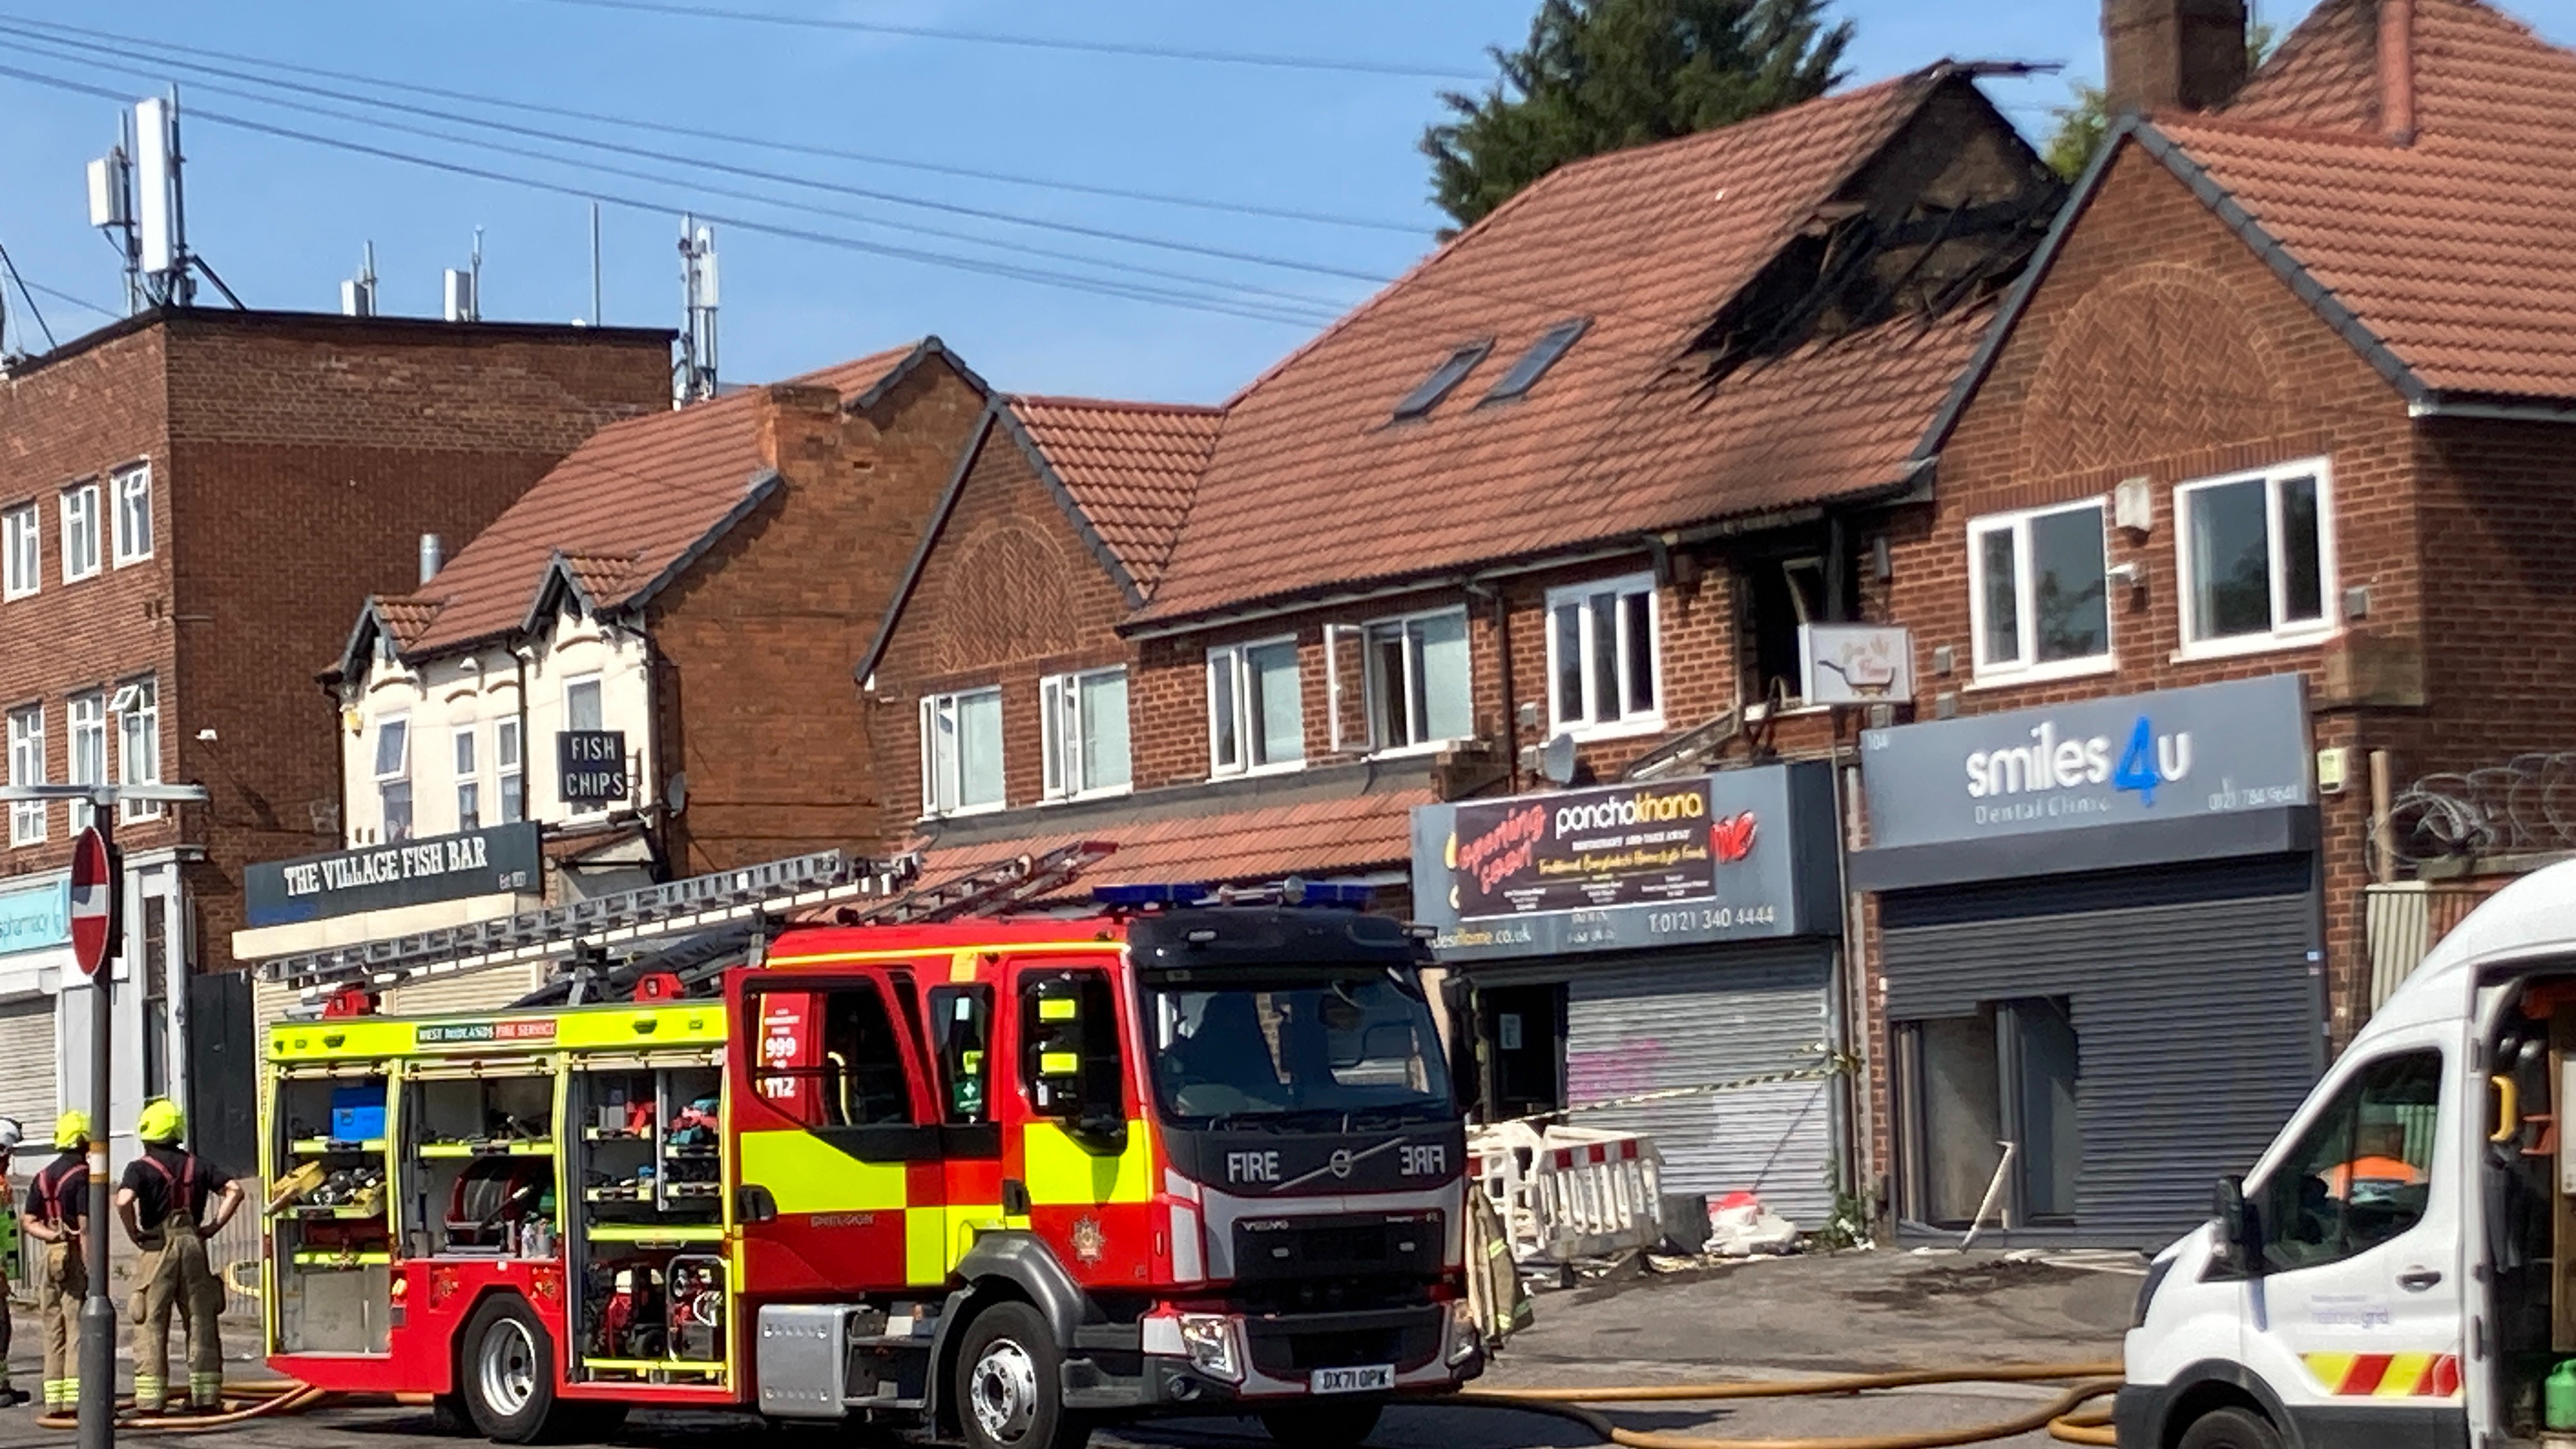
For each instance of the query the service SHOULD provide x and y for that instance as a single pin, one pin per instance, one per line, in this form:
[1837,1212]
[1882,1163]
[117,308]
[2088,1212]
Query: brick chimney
[799,427]
[2163,55]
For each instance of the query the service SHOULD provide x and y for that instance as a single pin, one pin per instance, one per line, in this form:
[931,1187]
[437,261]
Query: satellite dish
[1556,759]
[676,793]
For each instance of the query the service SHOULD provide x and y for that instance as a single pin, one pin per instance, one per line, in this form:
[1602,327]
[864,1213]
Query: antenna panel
[460,296]
[357,299]
[107,201]
[706,267]
[152,208]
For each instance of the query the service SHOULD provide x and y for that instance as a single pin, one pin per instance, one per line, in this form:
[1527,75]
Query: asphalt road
[1795,1318]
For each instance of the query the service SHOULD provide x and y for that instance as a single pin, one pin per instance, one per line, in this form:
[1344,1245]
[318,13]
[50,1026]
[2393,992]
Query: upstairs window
[1085,721]
[393,777]
[27,767]
[2037,588]
[508,775]
[1601,657]
[2257,556]
[1776,597]
[581,704]
[133,491]
[1256,717]
[138,707]
[1417,681]
[1533,364]
[22,535]
[89,750]
[469,782]
[80,531]
[961,752]
[1443,378]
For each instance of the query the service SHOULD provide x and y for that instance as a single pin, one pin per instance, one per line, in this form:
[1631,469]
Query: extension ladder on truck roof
[692,928]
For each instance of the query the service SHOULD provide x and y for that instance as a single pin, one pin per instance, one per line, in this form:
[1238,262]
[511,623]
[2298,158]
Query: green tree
[2082,125]
[1601,74]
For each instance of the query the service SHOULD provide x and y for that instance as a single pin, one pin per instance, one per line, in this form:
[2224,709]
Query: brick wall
[296,461]
[755,644]
[1009,595]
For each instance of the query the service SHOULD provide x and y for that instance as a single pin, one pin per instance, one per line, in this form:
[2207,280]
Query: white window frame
[93,704]
[1625,724]
[388,777]
[131,479]
[22,536]
[465,755]
[27,818]
[2027,668]
[86,494]
[598,686]
[1060,719]
[943,784]
[139,766]
[509,767]
[1246,739]
[2303,634]
[1373,684]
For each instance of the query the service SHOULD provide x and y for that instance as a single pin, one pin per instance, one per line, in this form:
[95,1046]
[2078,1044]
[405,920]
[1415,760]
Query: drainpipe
[651,770]
[519,656]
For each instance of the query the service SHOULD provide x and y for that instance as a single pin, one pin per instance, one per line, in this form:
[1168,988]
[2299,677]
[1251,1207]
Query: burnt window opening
[1774,596]
[1533,364]
[1442,379]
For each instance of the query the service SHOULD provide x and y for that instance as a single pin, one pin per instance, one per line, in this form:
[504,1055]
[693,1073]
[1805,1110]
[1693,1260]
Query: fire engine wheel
[1010,1383]
[1321,1426]
[508,1376]
[2231,1429]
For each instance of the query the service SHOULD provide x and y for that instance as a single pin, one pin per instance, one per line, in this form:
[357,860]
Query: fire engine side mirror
[753,1204]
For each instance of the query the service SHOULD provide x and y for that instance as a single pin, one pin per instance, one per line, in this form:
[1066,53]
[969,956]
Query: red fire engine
[989,1180]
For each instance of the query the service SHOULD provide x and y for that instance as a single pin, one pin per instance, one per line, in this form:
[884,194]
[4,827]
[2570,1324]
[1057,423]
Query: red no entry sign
[93,901]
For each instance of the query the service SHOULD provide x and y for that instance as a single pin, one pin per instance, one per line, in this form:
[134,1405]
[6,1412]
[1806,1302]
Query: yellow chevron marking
[2330,1369]
[2406,1372]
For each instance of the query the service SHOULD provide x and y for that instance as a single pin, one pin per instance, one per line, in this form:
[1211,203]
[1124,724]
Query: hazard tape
[2386,1375]
[1840,1064]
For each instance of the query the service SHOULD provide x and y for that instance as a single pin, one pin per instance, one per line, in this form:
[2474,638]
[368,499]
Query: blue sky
[283,221]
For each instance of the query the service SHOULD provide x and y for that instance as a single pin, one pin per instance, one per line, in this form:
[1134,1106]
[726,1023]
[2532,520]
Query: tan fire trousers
[62,1285]
[175,1276]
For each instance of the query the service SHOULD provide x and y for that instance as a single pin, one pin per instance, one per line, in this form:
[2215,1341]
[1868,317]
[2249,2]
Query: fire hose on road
[243,1402]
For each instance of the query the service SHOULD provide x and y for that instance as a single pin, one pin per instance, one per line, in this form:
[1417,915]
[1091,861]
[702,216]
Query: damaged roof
[1316,481]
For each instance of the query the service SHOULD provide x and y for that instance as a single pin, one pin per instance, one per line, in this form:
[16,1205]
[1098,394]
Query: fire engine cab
[984,1180]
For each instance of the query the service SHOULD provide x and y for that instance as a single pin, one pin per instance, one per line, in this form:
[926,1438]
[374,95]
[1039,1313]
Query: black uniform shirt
[154,1176]
[66,1181]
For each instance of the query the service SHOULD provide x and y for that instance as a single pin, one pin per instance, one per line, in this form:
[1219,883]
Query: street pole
[98,1316]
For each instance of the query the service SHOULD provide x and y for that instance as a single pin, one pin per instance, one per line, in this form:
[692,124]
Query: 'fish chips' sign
[1738,855]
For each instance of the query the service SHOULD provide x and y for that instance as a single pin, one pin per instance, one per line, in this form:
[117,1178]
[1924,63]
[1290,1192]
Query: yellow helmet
[72,1129]
[160,1121]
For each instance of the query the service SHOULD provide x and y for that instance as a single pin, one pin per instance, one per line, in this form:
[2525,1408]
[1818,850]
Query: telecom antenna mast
[142,203]
[697,374]
[111,209]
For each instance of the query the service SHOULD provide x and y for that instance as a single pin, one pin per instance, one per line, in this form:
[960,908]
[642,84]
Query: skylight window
[1444,377]
[1542,355]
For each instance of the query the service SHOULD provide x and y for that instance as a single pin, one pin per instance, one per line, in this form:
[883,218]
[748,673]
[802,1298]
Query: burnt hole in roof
[1533,364]
[1443,379]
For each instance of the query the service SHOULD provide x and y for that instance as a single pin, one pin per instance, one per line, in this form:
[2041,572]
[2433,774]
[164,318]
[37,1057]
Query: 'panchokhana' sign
[439,868]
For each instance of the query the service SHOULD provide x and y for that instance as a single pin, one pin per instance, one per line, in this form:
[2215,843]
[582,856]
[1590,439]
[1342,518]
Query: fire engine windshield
[1329,1047]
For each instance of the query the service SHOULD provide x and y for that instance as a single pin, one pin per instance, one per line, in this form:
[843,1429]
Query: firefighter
[11,1132]
[164,1200]
[57,1199]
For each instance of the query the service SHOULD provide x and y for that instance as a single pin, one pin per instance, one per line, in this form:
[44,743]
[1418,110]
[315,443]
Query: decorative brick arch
[2161,352]
[1008,597]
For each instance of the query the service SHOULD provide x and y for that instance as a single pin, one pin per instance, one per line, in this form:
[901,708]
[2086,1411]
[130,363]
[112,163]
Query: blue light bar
[1141,897]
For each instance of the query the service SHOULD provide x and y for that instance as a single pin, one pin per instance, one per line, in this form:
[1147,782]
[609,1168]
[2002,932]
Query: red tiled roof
[622,507]
[1312,484]
[1260,844]
[1131,468]
[2450,250]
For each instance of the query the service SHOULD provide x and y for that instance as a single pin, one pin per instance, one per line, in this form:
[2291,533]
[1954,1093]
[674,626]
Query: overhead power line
[1038,42]
[1289,305]
[642,123]
[664,207]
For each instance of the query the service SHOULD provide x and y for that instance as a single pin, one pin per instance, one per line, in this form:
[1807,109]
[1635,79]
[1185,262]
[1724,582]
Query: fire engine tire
[1010,1383]
[1322,1426]
[2231,1429]
[506,1373]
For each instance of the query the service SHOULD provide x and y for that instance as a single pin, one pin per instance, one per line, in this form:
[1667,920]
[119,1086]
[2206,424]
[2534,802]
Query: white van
[2399,1269]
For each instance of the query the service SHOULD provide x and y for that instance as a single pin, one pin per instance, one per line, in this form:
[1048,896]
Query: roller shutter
[2197,1000]
[27,1064]
[490,990]
[1692,1019]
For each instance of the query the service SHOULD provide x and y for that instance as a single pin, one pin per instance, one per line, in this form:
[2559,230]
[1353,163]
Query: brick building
[187,502]
[1578,477]
[2266,467]
[638,672]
